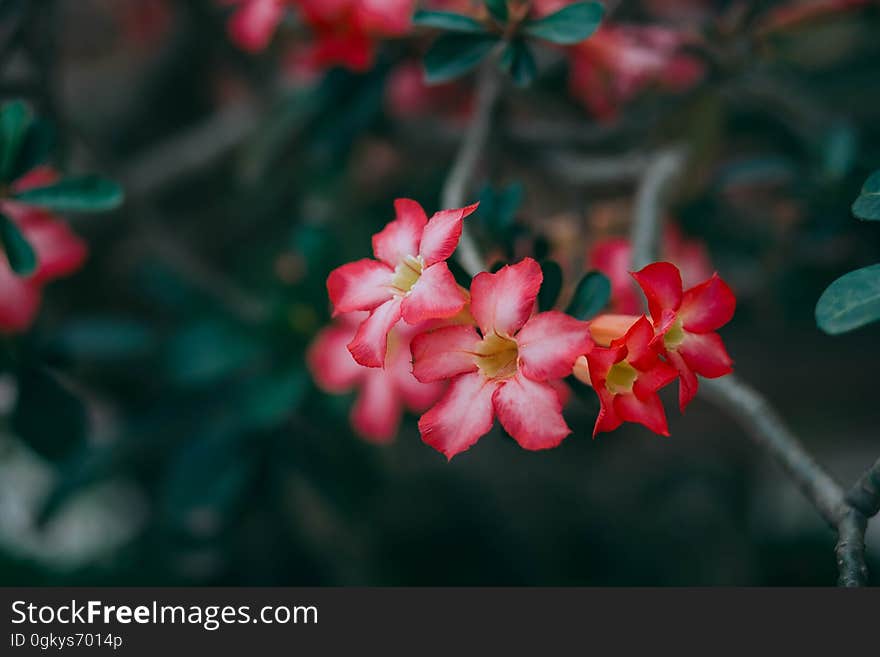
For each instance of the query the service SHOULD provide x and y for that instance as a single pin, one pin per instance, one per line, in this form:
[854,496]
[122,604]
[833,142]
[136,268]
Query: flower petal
[707,306]
[376,413]
[661,283]
[550,343]
[332,366]
[650,381]
[687,380]
[444,353]
[648,412]
[401,237]
[442,233]
[19,300]
[705,354]
[360,285]
[503,301]
[462,416]
[370,343]
[607,420]
[60,251]
[641,351]
[435,295]
[531,413]
[251,27]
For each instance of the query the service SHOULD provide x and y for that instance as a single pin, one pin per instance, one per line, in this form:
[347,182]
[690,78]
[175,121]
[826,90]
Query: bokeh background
[182,439]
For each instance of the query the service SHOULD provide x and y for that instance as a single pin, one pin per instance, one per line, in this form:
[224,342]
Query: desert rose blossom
[384,393]
[409,278]
[510,368]
[59,253]
[612,256]
[253,22]
[685,324]
[626,375]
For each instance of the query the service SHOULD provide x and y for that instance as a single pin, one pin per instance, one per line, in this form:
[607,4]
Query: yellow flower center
[620,378]
[497,356]
[407,274]
[674,336]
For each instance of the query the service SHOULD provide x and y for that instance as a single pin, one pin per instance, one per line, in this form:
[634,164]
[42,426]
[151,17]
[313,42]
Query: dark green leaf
[552,285]
[453,55]
[47,416]
[518,60]
[591,296]
[19,253]
[446,20]
[79,194]
[569,25]
[14,119]
[35,149]
[498,9]
[851,301]
[867,205]
[207,351]
[268,402]
[107,339]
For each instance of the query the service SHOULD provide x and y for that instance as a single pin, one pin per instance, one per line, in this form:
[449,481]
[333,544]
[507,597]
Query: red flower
[410,279]
[254,22]
[619,61]
[685,322]
[384,392]
[612,257]
[59,253]
[511,368]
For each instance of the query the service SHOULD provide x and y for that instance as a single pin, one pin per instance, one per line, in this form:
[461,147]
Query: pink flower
[59,253]
[619,61]
[408,96]
[410,278]
[383,392]
[685,322]
[612,257]
[254,22]
[626,377]
[511,367]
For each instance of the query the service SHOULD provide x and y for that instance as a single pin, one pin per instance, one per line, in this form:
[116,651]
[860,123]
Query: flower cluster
[409,336]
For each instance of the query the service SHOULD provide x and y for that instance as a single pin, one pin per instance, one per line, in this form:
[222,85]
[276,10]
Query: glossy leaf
[519,62]
[591,295]
[14,120]
[446,20]
[19,253]
[497,9]
[35,148]
[569,25]
[453,55]
[552,285]
[867,205]
[851,301]
[75,194]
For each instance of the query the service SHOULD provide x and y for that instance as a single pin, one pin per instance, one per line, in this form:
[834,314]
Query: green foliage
[103,339]
[518,60]
[47,415]
[445,20]
[851,301]
[552,285]
[20,254]
[35,148]
[498,208]
[497,9]
[569,25]
[75,194]
[590,297]
[867,205]
[453,55]
[207,351]
[14,120]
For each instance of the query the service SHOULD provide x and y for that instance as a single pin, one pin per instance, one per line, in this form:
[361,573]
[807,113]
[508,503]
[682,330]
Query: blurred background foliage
[158,424]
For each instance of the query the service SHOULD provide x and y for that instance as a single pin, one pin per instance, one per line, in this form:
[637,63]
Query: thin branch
[472,146]
[660,173]
[865,493]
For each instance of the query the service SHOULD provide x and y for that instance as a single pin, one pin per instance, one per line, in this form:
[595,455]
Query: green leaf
[591,296]
[104,339]
[518,60]
[446,20]
[867,205]
[498,9]
[453,55]
[267,402]
[19,253]
[14,120]
[35,148]
[207,351]
[569,25]
[47,416]
[552,285]
[851,301]
[75,194]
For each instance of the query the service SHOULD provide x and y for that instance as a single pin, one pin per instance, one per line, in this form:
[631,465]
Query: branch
[466,160]
[865,494]
[665,167]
